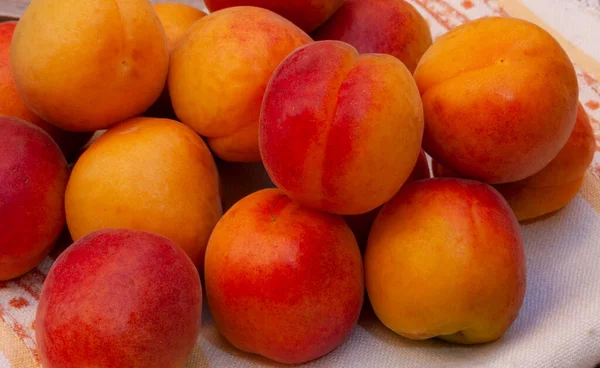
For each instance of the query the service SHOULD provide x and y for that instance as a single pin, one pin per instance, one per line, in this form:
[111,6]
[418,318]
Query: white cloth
[577,20]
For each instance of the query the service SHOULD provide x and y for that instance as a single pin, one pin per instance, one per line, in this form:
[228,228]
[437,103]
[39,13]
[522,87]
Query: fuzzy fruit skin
[11,103]
[33,177]
[500,99]
[176,19]
[392,27]
[283,281]
[553,187]
[119,298]
[307,15]
[340,132]
[445,259]
[84,65]
[147,174]
[361,224]
[220,70]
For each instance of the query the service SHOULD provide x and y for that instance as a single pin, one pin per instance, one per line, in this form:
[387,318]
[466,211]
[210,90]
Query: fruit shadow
[213,350]
[62,243]
[369,322]
[552,243]
[237,180]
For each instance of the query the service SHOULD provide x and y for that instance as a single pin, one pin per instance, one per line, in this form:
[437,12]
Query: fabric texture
[559,324]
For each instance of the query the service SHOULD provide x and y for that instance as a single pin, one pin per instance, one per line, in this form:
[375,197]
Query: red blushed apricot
[499,97]
[119,298]
[219,72]
[283,281]
[11,103]
[361,224]
[176,19]
[307,15]
[340,132]
[392,27]
[33,177]
[445,259]
[553,187]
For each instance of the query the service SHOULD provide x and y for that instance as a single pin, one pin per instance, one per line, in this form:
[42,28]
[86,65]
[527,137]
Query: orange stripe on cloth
[496,8]
[443,13]
[14,349]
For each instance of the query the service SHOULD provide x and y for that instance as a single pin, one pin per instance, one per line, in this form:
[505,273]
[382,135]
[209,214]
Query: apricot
[340,132]
[119,298]
[147,174]
[11,103]
[219,73]
[392,27]
[307,15]
[500,99]
[283,281]
[176,19]
[361,224]
[84,65]
[553,187]
[445,259]
[33,177]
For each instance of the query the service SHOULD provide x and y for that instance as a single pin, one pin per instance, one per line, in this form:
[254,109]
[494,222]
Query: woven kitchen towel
[559,325]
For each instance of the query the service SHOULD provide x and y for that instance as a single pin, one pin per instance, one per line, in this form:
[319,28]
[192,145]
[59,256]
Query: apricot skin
[84,65]
[553,187]
[119,298]
[307,15]
[340,132]
[499,97]
[361,224]
[283,281]
[33,177]
[445,259]
[147,174]
[219,73]
[11,103]
[392,27]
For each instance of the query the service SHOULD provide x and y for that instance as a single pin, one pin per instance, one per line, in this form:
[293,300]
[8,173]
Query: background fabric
[559,324]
